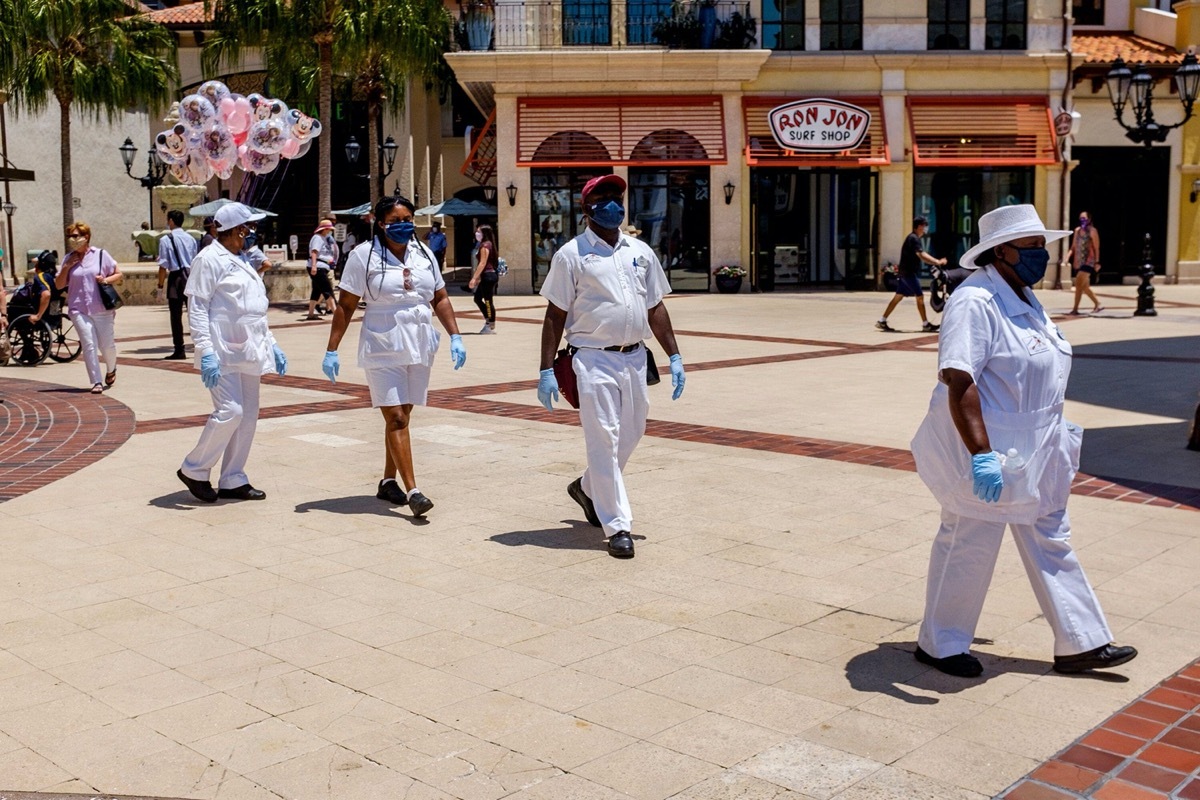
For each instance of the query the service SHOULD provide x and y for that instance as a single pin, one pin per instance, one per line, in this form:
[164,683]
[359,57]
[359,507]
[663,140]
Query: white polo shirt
[1018,358]
[605,291]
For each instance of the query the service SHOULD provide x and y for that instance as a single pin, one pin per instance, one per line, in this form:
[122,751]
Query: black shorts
[1088,268]
[321,287]
[909,286]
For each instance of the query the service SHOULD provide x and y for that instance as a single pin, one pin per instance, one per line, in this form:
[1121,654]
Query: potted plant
[478,21]
[729,278]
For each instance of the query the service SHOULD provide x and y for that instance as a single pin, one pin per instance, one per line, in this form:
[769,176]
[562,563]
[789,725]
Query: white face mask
[479,236]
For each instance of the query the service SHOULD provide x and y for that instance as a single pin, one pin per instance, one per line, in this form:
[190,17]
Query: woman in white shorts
[397,342]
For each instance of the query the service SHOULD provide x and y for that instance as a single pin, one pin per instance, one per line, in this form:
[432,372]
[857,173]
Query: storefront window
[783,24]
[557,213]
[953,199]
[586,22]
[949,25]
[670,206]
[1005,25]
[812,226]
[841,24]
[1088,12]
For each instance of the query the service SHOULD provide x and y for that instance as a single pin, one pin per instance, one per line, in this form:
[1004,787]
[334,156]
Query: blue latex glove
[330,365]
[457,351]
[210,370]
[677,377]
[989,477]
[547,388]
[280,360]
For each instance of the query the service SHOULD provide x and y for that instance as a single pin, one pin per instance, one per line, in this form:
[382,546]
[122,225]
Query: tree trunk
[375,155]
[64,138]
[324,150]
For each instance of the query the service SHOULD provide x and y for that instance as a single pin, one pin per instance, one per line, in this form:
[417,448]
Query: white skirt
[397,386]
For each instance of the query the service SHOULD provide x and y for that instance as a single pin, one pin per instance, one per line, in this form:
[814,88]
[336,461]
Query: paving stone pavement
[323,645]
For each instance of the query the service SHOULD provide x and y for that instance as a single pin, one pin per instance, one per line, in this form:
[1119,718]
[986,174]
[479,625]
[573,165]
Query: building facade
[963,96]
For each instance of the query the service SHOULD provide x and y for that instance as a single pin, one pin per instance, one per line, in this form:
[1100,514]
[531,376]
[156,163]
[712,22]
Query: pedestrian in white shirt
[606,289]
[227,313]
[176,249]
[397,341]
[995,450]
[323,255]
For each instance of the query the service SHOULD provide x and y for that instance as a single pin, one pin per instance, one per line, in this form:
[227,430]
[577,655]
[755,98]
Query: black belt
[622,348]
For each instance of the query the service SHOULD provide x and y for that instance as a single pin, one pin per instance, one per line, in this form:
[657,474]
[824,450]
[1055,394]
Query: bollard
[1145,292]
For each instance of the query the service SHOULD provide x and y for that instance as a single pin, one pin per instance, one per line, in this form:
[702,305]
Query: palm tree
[390,43]
[296,36]
[93,54]
[377,43]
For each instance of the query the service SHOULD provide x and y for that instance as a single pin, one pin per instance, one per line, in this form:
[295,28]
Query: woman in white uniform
[227,312]
[995,450]
[397,342]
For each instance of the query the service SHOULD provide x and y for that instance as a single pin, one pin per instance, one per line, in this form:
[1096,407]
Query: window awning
[981,132]
[763,151]
[631,131]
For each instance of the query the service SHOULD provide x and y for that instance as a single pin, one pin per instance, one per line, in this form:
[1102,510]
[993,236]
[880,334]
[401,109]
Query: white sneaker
[486,330]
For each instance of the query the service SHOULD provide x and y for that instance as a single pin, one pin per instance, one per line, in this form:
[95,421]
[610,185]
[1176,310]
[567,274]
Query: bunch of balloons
[219,130]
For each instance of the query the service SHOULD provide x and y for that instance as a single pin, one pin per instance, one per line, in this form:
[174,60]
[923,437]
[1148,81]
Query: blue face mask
[608,215]
[251,239]
[1031,264]
[400,232]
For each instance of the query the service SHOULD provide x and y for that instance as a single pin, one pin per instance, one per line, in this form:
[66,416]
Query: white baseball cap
[234,214]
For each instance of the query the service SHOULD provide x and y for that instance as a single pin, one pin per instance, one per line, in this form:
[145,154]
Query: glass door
[671,208]
[556,213]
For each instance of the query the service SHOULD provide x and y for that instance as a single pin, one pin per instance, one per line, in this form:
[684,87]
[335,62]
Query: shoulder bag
[108,293]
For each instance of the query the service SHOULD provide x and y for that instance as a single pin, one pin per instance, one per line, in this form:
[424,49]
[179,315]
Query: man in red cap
[606,290]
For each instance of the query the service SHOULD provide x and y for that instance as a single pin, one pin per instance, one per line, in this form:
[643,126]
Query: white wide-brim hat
[1007,224]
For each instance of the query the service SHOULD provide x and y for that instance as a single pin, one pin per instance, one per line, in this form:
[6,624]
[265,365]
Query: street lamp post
[1145,292]
[388,148]
[10,208]
[156,169]
[1123,82]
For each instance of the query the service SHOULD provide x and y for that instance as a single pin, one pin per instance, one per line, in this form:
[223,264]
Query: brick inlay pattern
[1149,749]
[48,432]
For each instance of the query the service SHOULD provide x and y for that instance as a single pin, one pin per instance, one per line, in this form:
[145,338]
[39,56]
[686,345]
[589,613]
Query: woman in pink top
[84,268]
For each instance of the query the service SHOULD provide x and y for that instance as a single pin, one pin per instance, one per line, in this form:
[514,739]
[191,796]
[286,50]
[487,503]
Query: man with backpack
[176,249]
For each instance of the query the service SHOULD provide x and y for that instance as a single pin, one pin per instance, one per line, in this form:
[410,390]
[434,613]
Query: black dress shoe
[419,504]
[1110,655]
[201,490]
[391,491]
[963,665]
[175,357]
[620,545]
[585,502]
[243,492]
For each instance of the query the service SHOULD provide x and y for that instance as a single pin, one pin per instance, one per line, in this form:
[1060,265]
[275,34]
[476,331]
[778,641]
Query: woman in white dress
[403,285]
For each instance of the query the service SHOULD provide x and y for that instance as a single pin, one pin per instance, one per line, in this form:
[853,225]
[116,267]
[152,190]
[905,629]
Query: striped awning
[632,131]
[981,132]
[763,151]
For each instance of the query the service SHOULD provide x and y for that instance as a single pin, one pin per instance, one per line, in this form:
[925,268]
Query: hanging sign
[819,125]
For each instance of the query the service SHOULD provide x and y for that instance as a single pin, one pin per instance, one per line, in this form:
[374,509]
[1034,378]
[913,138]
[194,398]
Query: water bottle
[1012,460]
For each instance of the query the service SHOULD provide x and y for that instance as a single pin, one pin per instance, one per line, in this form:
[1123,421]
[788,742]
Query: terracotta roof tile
[1104,48]
[182,15]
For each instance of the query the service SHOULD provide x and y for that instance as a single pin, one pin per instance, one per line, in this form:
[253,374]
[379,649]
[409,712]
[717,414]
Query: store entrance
[670,206]
[1124,191]
[812,227]
[556,213]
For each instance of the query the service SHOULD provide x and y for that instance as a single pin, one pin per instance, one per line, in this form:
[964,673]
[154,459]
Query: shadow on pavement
[891,669]
[358,505]
[178,501]
[580,536]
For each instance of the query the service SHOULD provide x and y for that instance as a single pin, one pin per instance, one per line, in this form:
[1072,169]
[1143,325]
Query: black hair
[176,216]
[918,221]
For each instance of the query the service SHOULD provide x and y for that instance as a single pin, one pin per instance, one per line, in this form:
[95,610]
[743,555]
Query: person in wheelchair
[33,298]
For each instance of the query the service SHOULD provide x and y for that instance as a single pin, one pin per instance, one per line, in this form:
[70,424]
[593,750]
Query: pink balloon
[291,148]
[240,138]
[235,112]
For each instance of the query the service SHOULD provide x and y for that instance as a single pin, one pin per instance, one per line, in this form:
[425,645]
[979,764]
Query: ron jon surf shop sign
[819,125]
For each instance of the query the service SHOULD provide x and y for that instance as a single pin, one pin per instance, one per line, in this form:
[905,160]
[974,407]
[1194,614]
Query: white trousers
[960,569]
[228,433]
[613,404]
[96,335]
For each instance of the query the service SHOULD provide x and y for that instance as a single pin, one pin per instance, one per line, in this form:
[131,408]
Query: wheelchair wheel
[30,341]
[65,345]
